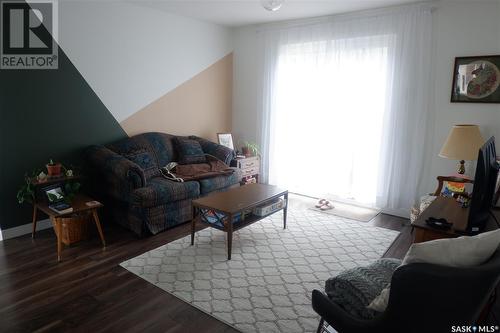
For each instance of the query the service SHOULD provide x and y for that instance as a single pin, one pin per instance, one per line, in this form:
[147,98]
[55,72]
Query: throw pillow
[145,160]
[380,302]
[189,151]
[465,251]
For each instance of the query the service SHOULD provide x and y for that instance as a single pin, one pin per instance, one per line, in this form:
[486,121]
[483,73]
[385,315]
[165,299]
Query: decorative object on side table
[462,144]
[53,168]
[476,79]
[226,140]
[250,149]
[26,192]
[57,195]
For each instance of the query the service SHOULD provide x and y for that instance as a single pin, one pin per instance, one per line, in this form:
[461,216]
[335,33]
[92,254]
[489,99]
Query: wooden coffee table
[233,202]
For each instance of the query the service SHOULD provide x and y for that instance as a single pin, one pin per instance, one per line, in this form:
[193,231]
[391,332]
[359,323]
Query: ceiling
[236,13]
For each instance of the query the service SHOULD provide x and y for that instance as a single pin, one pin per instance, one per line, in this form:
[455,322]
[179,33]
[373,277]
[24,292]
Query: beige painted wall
[200,106]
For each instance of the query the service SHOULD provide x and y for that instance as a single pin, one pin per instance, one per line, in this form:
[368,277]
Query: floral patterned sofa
[126,176]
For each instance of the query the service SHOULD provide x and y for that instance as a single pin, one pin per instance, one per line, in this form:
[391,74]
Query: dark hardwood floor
[89,292]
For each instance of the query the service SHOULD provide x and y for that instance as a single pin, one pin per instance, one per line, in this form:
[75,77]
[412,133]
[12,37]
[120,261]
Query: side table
[449,209]
[79,204]
[250,169]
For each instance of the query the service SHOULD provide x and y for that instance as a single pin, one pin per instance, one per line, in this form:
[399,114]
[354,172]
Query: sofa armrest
[118,175]
[223,153]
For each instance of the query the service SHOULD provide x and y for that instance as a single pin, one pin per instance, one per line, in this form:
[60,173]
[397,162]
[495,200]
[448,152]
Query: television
[484,187]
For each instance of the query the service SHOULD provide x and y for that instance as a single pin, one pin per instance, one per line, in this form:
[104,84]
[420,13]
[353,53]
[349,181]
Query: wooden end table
[79,204]
[450,209]
[234,201]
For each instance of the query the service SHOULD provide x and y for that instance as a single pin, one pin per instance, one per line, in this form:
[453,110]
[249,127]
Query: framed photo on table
[476,80]
[226,139]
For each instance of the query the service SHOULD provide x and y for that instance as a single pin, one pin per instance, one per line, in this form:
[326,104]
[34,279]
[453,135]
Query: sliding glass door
[330,100]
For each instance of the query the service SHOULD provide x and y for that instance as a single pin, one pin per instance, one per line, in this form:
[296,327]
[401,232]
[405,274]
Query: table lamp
[462,144]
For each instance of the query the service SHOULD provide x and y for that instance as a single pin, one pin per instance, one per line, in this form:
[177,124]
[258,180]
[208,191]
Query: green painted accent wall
[45,114]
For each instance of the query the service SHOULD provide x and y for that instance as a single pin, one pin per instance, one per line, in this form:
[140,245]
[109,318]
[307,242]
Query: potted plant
[27,191]
[250,149]
[70,190]
[53,169]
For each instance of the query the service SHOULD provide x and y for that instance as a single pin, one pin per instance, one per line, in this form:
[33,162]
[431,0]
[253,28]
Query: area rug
[267,285]
[362,214]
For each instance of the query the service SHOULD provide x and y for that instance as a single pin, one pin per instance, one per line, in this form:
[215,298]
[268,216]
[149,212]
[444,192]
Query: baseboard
[24,229]
[404,213]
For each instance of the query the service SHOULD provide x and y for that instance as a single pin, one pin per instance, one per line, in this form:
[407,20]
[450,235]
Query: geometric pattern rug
[267,284]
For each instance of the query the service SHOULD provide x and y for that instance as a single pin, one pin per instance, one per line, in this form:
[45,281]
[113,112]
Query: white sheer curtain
[346,105]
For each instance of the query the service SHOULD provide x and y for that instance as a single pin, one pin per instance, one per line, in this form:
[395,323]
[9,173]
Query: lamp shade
[463,143]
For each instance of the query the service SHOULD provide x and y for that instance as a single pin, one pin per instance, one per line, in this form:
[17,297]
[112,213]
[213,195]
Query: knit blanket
[355,288]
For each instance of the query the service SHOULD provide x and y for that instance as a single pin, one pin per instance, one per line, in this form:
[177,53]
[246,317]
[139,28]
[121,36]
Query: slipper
[320,203]
[327,206]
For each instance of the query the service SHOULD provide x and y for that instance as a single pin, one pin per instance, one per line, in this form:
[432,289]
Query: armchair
[423,298]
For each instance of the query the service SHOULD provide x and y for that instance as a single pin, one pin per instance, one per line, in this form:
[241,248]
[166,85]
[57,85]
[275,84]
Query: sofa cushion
[138,150]
[189,151]
[161,146]
[150,151]
[161,191]
[224,154]
[218,183]
[145,161]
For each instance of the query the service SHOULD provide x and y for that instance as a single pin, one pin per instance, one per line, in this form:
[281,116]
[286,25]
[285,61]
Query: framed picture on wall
[226,139]
[476,80]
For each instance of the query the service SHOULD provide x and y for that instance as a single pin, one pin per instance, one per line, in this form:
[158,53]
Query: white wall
[132,55]
[247,83]
[460,29]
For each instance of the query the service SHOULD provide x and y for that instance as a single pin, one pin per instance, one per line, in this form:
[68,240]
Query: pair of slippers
[324,204]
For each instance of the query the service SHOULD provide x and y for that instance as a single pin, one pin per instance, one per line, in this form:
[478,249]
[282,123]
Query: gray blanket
[355,288]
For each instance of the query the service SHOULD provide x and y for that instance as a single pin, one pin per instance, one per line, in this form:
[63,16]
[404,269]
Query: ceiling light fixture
[271,5]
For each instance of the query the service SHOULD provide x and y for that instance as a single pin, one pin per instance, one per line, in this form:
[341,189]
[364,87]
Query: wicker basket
[74,228]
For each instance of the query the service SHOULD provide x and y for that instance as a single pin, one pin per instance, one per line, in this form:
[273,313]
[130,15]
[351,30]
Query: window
[329,109]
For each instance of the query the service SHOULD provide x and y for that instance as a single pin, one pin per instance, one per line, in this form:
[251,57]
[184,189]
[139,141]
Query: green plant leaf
[52,197]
